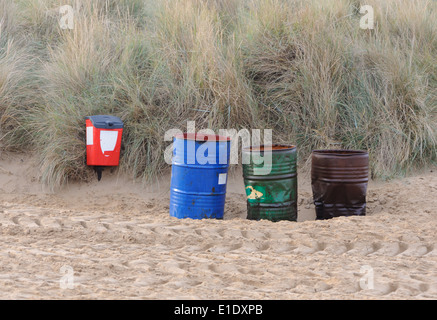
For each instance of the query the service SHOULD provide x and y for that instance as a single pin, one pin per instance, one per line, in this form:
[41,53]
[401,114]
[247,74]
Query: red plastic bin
[103,140]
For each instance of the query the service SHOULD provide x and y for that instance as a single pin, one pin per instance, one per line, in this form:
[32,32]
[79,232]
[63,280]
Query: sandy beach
[114,239]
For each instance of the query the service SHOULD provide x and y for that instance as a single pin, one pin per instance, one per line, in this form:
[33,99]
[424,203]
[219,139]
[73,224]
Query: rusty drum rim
[274,148]
[340,152]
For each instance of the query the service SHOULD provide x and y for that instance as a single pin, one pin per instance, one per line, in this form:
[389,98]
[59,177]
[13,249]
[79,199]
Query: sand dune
[114,239]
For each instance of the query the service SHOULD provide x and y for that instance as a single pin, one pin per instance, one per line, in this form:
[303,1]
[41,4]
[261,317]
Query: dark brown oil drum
[339,181]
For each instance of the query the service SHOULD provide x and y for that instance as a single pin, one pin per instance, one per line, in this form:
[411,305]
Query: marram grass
[302,68]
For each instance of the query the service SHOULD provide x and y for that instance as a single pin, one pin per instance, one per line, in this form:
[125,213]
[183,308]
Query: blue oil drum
[199,175]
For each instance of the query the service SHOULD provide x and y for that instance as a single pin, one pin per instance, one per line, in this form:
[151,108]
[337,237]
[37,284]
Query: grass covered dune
[302,68]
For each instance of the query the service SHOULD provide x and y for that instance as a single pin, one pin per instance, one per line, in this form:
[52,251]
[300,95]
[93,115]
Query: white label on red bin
[108,140]
[89,136]
[222,178]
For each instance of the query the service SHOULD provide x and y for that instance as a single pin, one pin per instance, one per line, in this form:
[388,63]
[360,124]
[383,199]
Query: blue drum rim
[203,137]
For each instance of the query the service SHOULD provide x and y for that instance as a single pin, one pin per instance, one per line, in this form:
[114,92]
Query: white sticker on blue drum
[222,178]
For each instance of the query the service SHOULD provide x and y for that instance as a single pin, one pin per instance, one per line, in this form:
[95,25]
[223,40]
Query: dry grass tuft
[303,68]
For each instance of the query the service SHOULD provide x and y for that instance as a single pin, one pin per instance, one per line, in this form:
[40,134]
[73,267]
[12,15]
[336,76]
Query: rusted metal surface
[339,181]
[271,196]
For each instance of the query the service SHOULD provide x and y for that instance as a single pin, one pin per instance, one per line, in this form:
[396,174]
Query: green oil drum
[271,186]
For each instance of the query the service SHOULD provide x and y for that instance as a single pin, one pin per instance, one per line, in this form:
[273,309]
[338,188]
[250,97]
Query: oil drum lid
[106,122]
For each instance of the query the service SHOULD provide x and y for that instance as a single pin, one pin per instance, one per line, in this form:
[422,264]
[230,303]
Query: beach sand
[114,239]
